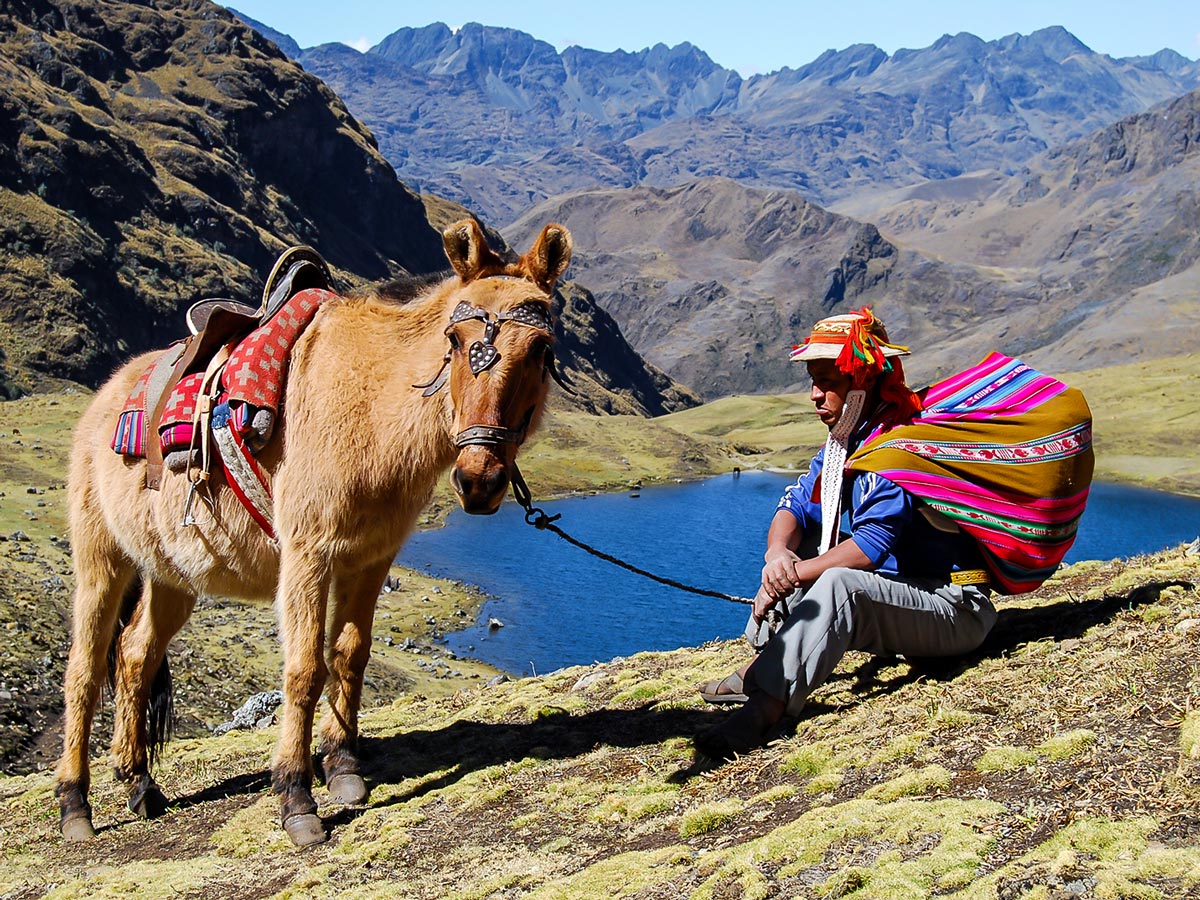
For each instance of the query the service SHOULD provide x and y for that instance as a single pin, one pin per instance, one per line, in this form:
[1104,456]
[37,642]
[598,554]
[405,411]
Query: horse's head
[501,355]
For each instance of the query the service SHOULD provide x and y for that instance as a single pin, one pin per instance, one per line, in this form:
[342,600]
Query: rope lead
[543,522]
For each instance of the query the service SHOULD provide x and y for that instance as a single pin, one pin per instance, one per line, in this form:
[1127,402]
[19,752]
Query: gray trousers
[847,609]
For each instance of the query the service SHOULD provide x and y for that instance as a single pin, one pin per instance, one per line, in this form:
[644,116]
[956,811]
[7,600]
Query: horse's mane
[404,289]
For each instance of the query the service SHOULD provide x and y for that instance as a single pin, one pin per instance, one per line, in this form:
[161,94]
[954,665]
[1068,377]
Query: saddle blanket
[1004,452]
[252,380]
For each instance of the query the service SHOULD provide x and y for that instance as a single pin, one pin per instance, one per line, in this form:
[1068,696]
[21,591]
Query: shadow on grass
[239,785]
[466,746]
[1057,621]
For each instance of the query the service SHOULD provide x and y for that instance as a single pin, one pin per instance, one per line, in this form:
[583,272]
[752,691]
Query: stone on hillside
[257,712]
[588,680]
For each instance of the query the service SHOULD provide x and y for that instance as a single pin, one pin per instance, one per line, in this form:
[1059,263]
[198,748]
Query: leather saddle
[213,324]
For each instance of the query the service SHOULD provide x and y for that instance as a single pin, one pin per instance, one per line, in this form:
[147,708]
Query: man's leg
[847,609]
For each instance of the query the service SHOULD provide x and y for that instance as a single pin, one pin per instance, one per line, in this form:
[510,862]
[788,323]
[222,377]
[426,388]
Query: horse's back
[225,553]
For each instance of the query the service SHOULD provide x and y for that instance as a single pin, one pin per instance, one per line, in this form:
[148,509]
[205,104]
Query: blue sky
[756,36]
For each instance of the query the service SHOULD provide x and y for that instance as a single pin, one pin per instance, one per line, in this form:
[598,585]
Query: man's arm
[780,559]
[881,510]
[785,571]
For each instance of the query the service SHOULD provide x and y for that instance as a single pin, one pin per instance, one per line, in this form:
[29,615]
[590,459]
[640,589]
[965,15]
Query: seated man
[896,584]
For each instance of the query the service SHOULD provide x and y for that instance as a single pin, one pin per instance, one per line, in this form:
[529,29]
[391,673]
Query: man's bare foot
[745,729]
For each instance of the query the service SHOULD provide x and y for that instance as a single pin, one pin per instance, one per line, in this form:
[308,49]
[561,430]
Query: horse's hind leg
[301,599]
[102,575]
[354,600]
[143,692]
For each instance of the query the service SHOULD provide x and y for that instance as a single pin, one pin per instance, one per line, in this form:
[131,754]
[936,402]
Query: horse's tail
[160,705]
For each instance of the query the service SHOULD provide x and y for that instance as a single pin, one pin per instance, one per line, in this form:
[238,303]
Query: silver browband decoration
[482,354]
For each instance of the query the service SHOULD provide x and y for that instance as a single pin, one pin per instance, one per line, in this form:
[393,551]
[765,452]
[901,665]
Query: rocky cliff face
[149,158]
[153,157]
[498,120]
[1105,229]
[713,282]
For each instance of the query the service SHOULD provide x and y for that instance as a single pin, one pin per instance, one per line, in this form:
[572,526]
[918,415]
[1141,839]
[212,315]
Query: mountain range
[1090,257]
[497,119]
[152,157]
[1015,194]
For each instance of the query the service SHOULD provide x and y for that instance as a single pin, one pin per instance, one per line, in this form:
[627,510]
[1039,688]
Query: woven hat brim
[807,352]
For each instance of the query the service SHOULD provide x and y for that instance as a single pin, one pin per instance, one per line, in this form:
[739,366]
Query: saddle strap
[201,418]
[154,455]
[245,477]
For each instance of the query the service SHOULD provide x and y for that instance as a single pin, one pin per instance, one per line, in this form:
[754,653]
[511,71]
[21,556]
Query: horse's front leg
[301,599]
[354,598]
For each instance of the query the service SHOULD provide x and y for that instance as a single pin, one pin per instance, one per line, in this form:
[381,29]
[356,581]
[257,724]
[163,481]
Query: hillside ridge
[155,157]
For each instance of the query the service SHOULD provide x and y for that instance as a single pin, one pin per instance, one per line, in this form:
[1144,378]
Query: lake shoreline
[704,532]
[437,518]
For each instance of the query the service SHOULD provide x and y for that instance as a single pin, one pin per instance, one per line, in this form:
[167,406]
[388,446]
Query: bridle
[482,355]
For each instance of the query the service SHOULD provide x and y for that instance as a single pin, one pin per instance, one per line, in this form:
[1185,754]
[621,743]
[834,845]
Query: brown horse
[357,460]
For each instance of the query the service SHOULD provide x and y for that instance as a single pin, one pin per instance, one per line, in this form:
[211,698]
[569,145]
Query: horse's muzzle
[480,478]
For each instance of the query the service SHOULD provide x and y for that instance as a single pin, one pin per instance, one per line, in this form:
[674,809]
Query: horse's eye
[455,344]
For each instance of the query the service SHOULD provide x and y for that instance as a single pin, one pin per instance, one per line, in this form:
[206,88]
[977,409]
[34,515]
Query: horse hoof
[305,829]
[78,829]
[149,803]
[349,789]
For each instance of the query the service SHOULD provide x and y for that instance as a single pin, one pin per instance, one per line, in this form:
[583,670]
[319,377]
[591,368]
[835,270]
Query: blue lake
[561,606]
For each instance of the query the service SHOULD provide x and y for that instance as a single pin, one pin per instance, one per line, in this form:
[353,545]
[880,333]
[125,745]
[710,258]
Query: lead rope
[543,522]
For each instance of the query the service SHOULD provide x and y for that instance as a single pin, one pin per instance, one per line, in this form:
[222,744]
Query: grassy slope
[1147,422]
[1060,761]
[1065,755]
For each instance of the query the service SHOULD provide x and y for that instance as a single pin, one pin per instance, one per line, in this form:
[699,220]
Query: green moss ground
[1059,761]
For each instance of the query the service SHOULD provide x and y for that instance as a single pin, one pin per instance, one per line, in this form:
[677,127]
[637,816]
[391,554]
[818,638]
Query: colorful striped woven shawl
[1006,453]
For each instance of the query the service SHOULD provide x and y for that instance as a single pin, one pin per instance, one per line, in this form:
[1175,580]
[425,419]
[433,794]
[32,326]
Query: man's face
[830,385]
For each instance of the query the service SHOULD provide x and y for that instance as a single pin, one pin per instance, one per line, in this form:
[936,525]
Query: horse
[356,458]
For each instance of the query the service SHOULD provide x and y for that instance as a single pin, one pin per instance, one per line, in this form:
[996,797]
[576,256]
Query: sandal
[729,689]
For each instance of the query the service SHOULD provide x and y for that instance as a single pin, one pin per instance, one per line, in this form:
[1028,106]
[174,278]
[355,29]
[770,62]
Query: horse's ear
[468,251]
[549,257]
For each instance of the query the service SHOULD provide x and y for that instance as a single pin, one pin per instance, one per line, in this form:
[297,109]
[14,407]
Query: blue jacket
[884,521]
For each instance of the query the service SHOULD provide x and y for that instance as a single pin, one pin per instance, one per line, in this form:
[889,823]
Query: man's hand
[763,604]
[779,576]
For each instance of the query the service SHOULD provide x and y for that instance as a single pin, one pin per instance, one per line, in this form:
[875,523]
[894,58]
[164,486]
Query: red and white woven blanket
[253,379]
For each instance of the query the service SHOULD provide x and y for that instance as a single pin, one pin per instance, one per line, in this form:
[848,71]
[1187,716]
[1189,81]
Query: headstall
[482,355]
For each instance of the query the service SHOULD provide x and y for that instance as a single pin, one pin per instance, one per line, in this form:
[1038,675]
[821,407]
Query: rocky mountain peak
[961,43]
[478,51]
[1054,43]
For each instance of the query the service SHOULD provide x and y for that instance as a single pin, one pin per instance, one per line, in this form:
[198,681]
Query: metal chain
[543,522]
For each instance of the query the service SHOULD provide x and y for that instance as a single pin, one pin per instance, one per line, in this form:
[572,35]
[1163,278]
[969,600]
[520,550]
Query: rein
[542,522]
